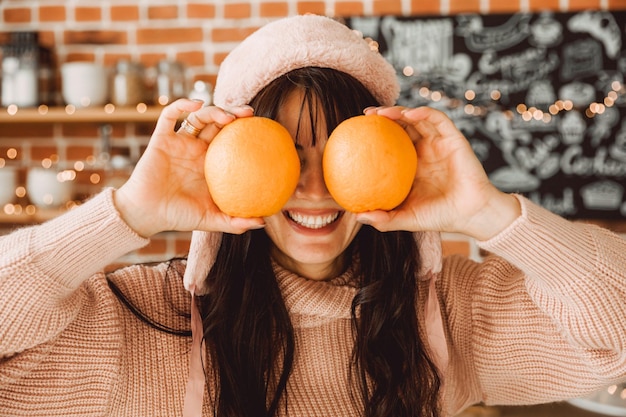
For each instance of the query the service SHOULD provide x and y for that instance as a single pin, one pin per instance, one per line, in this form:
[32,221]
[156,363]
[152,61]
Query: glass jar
[170,81]
[20,70]
[128,84]
[202,91]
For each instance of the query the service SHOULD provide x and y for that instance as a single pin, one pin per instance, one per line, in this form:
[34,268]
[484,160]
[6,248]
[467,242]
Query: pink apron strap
[195,384]
[434,327]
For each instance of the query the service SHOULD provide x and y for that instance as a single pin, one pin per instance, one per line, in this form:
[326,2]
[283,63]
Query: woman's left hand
[451,191]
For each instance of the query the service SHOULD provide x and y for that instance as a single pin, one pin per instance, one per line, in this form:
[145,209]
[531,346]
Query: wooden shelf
[23,218]
[106,114]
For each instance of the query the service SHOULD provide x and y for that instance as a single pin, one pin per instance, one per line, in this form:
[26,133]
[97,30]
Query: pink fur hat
[298,42]
[273,50]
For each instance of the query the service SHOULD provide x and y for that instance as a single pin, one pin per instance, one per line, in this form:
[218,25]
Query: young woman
[314,311]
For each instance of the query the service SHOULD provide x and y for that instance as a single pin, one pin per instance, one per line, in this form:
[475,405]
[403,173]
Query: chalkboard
[540,97]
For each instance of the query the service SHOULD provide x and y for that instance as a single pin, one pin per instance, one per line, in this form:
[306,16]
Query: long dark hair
[247,328]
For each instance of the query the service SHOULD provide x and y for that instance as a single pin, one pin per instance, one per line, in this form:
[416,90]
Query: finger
[235,225]
[212,119]
[396,113]
[378,219]
[241,224]
[434,122]
[392,112]
[172,113]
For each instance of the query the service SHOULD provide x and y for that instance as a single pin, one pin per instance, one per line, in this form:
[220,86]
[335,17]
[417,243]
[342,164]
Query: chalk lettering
[573,162]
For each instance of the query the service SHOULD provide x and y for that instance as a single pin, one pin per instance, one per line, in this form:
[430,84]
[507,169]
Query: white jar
[84,84]
[47,189]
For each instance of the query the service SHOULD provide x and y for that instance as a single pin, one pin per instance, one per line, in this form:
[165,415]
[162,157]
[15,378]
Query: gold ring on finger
[190,128]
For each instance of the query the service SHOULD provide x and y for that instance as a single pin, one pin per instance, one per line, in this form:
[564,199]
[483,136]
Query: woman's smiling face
[312,232]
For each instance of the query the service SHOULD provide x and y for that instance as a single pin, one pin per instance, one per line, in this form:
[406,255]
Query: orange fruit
[369,163]
[252,167]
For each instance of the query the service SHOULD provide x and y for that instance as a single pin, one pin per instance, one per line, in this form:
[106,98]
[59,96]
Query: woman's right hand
[167,189]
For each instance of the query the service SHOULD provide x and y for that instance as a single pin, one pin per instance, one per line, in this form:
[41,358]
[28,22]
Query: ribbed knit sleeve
[542,320]
[41,268]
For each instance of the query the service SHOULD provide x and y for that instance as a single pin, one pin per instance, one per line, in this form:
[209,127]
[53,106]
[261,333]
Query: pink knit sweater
[548,328]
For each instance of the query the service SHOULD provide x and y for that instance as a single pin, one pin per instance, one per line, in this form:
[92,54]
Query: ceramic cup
[46,190]
[84,84]
[8,183]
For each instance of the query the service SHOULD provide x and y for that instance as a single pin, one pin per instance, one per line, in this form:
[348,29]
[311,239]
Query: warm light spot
[20,191]
[521,108]
[568,105]
[12,109]
[469,109]
[54,158]
[48,199]
[527,116]
[537,114]
[495,95]
[553,109]
[85,101]
[9,209]
[94,178]
[560,105]
[66,175]
[436,96]
[2,162]
[547,117]
[163,100]
[611,390]
[408,71]
[70,109]
[616,85]
[46,163]
[608,101]
[43,109]
[589,113]
[17,209]
[612,95]
[109,108]
[424,92]
[470,95]
[79,165]
[11,153]
[30,209]
[142,108]
[70,204]
[91,160]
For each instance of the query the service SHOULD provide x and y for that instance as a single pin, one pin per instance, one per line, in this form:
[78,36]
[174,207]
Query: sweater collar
[330,299]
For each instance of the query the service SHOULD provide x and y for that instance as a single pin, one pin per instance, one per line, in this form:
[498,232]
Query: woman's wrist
[499,212]
[133,215]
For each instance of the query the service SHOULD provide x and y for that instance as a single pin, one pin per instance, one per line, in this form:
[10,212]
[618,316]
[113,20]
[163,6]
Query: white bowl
[84,84]
[46,190]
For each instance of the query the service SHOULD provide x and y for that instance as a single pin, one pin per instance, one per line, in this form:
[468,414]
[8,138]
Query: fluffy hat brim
[298,42]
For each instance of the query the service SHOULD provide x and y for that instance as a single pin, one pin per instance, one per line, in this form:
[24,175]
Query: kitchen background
[54,155]
[169,42]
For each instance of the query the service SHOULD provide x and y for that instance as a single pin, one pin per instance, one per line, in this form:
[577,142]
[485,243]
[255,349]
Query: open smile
[311,221]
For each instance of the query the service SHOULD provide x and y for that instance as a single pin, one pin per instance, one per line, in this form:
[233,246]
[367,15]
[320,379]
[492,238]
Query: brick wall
[197,33]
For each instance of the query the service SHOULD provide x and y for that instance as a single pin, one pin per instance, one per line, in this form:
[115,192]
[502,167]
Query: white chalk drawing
[540,97]
[546,31]
[602,26]
[602,195]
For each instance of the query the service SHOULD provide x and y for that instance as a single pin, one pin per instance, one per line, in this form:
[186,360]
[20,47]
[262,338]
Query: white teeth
[313,222]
